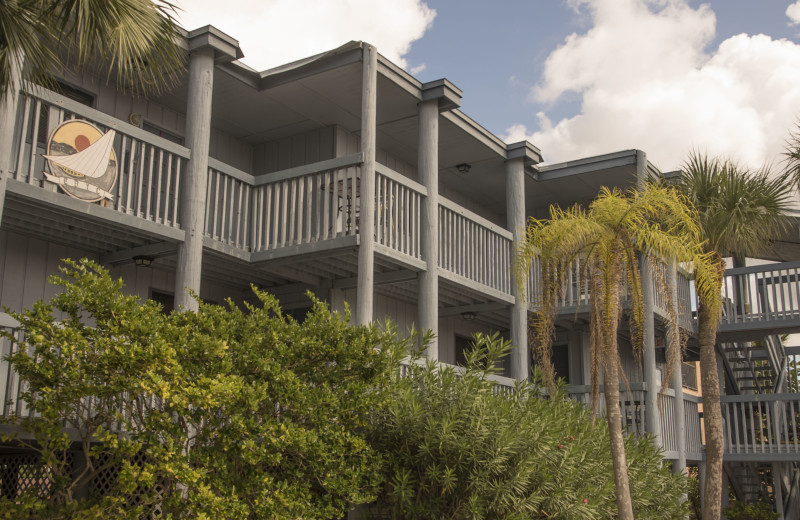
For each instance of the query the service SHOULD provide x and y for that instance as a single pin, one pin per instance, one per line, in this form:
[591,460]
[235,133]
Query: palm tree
[609,238]
[134,41]
[739,212]
[791,154]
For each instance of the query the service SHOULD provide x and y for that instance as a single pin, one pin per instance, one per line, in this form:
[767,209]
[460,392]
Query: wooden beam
[384,278]
[158,250]
[475,307]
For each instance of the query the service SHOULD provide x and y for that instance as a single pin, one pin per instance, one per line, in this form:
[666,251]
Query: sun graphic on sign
[82,160]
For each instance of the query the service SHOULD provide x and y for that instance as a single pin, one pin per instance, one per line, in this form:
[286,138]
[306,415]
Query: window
[166,299]
[463,345]
[560,361]
[169,136]
[75,94]
[68,91]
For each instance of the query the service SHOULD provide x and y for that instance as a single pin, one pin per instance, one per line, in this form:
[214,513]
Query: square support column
[366,250]
[207,46]
[515,213]
[428,167]
[518,156]
[193,181]
[676,381]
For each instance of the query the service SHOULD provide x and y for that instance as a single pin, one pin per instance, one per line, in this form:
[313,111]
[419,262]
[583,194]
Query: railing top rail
[587,389]
[760,398]
[464,212]
[762,268]
[227,169]
[104,119]
[400,179]
[321,166]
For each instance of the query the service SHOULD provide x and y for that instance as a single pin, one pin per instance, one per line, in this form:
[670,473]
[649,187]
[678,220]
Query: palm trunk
[624,504]
[712,414]
[613,415]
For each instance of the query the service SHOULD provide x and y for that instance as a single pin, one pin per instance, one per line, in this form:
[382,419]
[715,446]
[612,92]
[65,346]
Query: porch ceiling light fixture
[142,261]
[469,315]
[463,167]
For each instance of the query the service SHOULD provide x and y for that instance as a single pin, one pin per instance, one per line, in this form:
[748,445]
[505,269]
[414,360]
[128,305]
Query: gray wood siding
[25,265]
[404,316]
[118,104]
[297,150]
[473,205]
[348,143]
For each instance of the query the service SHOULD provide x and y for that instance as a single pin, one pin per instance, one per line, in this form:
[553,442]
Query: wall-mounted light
[469,315]
[463,167]
[142,261]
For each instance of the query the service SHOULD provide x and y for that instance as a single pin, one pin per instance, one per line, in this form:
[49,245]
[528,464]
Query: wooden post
[777,488]
[428,167]
[515,214]
[652,419]
[679,466]
[8,118]
[366,249]
[193,182]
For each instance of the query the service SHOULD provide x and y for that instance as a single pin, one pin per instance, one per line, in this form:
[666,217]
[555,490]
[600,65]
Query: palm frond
[134,42]
[740,211]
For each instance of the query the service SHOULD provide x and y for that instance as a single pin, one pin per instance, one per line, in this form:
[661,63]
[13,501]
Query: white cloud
[793,12]
[647,82]
[275,32]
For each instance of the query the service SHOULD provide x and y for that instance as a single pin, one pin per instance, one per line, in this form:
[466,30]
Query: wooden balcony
[300,216]
[762,427]
[760,299]
[574,297]
[632,408]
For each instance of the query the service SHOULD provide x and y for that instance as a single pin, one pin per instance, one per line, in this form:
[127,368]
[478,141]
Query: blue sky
[575,77]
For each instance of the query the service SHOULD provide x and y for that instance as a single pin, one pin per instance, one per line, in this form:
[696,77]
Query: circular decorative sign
[82,160]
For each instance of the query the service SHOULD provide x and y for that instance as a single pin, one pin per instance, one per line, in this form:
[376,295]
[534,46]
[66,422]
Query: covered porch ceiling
[578,182]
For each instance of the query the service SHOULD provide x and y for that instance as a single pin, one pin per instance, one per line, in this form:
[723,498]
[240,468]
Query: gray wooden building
[344,175]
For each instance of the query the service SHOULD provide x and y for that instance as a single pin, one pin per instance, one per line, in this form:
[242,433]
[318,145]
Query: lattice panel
[105,480]
[22,471]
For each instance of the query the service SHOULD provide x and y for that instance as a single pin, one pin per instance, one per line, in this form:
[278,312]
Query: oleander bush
[458,447]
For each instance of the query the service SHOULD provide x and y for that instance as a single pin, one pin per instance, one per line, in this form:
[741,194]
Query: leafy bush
[223,413]
[457,447]
[754,511]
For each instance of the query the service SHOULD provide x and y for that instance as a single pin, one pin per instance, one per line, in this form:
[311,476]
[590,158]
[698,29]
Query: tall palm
[610,237]
[791,155]
[739,212]
[134,41]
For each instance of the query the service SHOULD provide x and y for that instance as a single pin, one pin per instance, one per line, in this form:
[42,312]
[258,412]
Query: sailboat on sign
[90,162]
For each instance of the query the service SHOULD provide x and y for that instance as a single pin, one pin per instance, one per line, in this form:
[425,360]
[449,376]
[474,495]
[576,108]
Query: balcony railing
[397,216]
[763,425]
[633,408]
[474,249]
[149,167]
[575,291]
[762,293]
[10,384]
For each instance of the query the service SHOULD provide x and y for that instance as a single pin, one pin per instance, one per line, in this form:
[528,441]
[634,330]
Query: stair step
[742,348]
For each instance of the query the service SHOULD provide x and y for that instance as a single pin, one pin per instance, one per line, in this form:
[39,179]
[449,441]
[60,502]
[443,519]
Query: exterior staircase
[751,481]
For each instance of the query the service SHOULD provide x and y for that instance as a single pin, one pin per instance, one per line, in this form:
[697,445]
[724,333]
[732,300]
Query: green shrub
[458,448]
[738,510]
[222,413]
